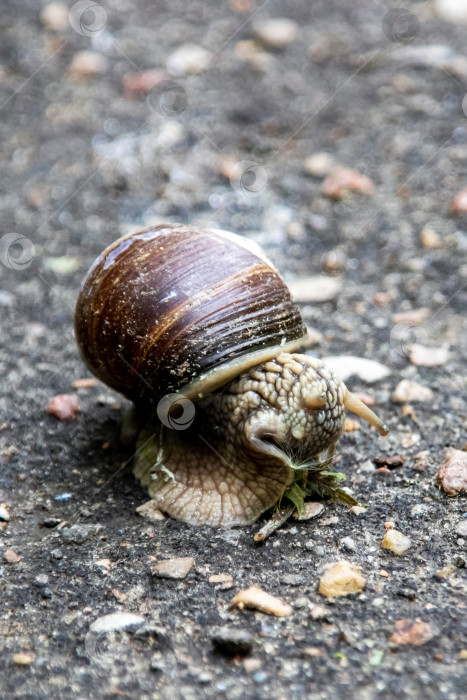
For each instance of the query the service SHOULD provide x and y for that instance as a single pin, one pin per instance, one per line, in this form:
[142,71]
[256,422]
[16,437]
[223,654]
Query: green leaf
[297,495]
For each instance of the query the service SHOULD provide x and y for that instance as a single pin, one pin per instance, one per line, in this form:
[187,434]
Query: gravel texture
[83,163]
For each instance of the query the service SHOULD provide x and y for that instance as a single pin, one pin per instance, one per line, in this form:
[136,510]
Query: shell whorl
[178,308]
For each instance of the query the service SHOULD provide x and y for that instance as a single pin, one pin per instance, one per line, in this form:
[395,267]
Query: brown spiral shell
[180,308]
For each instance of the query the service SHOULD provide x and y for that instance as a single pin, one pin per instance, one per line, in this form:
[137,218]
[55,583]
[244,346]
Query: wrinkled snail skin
[202,312]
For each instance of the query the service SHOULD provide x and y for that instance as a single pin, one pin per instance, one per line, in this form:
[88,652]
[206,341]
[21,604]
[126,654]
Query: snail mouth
[268,447]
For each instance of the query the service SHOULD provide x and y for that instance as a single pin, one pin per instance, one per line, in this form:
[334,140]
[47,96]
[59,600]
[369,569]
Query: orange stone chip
[342,181]
[411,632]
[452,473]
[458,205]
[63,406]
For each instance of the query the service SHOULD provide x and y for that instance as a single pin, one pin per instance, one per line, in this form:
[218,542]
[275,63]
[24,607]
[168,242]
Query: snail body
[176,314]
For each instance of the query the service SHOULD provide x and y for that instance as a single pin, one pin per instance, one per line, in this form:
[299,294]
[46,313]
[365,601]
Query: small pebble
[4,514]
[232,641]
[342,578]
[260,677]
[396,542]
[276,33]
[391,461]
[157,662]
[51,522]
[11,557]
[301,603]
[316,288]
[340,182]
[452,10]
[461,528]
[56,554]
[319,612]
[463,655]
[55,16]
[311,652]
[116,621]
[41,580]
[205,677]
[75,534]
[357,510]
[6,298]
[452,473]
[346,366]
[409,632]
[220,578]
[249,52]
[311,510]
[293,579]
[418,509]
[423,55]
[188,59]
[458,206]
[431,239]
[351,425]
[318,164]
[251,665]
[87,64]
[348,544]
[173,568]
[412,316]
[421,459]
[22,659]
[258,599]
[63,264]
[408,390]
[446,571]
[423,356]
[85,383]
[334,260]
[63,406]
[137,85]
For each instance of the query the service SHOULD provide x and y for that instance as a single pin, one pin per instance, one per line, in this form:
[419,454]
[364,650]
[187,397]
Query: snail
[198,329]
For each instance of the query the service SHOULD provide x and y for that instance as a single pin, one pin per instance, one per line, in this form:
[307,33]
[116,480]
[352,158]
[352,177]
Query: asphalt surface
[82,163]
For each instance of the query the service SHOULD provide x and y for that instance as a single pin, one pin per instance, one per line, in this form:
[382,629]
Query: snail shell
[179,308]
[184,309]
